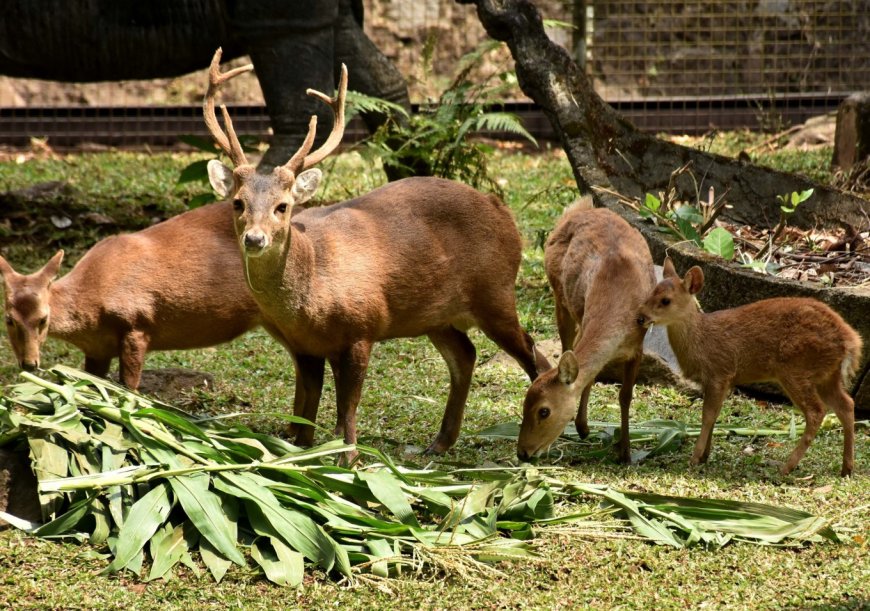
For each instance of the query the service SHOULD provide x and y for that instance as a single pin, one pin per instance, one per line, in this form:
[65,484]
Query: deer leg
[134,345]
[805,396]
[504,329]
[96,366]
[306,399]
[629,376]
[459,354]
[714,395]
[836,397]
[349,370]
[581,421]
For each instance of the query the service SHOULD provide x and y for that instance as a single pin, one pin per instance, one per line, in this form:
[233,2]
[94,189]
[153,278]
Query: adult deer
[173,286]
[601,272]
[421,256]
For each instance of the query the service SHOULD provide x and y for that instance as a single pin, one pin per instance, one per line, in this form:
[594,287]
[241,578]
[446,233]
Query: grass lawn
[400,412]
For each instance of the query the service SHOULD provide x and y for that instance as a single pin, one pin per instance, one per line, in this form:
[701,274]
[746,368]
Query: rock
[18,487]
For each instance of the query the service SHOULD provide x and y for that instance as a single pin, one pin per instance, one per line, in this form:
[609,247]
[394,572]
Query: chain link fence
[676,66]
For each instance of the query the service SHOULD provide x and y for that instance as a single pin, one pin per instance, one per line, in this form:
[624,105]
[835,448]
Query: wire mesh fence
[678,66]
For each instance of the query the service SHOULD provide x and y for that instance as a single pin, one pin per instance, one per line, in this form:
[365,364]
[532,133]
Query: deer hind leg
[131,360]
[349,370]
[459,354]
[836,397]
[714,396]
[504,329]
[806,397]
[581,420]
[629,377]
[96,366]
[306,399]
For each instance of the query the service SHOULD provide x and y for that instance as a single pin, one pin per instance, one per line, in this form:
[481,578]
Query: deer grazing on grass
[421,256]
[800,343]
[176,285]
[601,272]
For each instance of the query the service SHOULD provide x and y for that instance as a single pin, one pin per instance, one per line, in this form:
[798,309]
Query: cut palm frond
[160,487]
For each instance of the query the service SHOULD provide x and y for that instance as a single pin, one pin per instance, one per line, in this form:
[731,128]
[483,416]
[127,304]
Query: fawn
[175,285]
[798,342]
[601,271]
[420,256]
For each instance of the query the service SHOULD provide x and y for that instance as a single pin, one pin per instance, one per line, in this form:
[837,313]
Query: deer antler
[301,160]
[228,142]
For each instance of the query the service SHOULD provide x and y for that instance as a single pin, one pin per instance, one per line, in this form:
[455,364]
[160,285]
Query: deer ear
[306,185]
[50,269]
[668,270]
[220,177]
[568,368]
[6,269]
[694,280]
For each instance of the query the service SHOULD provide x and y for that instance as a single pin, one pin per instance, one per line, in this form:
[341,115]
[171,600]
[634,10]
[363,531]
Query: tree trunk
[852,139]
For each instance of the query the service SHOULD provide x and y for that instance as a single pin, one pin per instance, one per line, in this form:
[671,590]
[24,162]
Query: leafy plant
[197,171]
[788,203]
[152,483]
[435,140]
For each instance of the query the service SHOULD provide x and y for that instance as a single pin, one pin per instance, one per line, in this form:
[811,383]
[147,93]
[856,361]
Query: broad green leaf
[167,547]
[213,560]
[652,203]
[145,517]
[386,488]
[281,564]
[204,510]
[720,242]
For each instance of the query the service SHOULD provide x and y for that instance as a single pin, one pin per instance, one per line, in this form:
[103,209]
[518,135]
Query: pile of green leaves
[155,487]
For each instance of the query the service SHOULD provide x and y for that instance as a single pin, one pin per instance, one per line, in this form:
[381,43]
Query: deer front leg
[306,400]
[459,354]
[134,345]
[714,395]
[349,369]
[96,366]
[629,377]
[581,420]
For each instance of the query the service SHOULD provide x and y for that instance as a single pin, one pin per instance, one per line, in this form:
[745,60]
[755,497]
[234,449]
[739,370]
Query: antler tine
[229,142]
[301,159]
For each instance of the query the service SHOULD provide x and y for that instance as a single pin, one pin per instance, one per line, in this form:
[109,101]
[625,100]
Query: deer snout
[523,454]
[28,365]
[255,241]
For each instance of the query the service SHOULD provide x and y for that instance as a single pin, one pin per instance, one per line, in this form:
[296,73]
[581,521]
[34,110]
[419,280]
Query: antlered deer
[601,271]
[421,256]
[798,342]
[176,285]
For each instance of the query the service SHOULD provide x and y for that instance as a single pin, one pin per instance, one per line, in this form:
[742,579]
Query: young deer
[601,271]
[800,343]
[421,256]
[176,285]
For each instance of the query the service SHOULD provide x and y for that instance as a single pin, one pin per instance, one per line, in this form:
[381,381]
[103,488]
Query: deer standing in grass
[601,271]
[798,342]
[176,285]
[421,256]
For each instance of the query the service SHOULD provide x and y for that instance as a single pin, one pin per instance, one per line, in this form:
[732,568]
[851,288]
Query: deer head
[263,203]
[673,296]
[27,309]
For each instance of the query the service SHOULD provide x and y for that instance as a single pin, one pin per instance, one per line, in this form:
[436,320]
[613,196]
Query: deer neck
[281,278]
[69,315]
[687,338]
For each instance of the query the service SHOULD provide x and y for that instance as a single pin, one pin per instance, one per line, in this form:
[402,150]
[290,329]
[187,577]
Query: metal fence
[678,66]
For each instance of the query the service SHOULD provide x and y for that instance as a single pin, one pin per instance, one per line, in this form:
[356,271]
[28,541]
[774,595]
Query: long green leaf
[145,517]
[387,489]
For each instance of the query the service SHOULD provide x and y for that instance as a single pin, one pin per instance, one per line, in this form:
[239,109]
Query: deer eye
[238,205]
[543,413]
[281,208]
[666,301]
[9,321]
[42,322]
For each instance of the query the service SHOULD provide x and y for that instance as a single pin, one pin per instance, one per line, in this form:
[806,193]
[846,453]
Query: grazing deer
[176,285]
[421,256]
[798,342]
[601,272]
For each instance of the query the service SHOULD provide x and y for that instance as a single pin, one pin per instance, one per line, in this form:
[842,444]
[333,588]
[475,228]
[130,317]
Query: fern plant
[435,141]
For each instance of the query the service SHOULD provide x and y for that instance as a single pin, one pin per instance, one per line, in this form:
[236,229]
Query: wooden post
[852,138]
